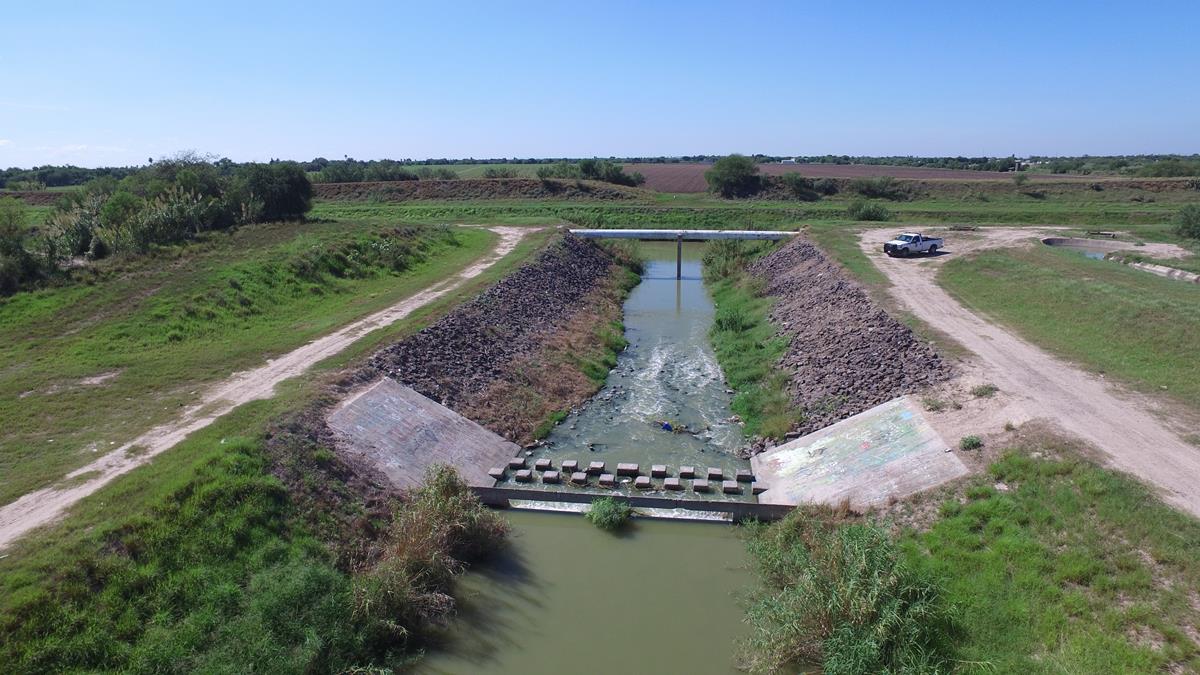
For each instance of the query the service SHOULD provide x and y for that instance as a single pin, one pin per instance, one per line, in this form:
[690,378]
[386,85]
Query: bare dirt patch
[1135,433]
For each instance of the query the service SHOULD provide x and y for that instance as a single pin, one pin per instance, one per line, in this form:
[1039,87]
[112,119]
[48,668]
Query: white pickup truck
[909,243]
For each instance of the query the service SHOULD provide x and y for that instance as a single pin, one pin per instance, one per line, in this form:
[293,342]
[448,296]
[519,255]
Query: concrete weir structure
[885,452]
[680,236]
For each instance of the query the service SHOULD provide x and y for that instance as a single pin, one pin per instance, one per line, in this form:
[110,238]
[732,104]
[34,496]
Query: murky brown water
[663,597]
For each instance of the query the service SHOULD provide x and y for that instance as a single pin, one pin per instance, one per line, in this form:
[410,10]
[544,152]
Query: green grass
[160,328]
[154,584]
[1115,320]
[746,346]
[1072,568]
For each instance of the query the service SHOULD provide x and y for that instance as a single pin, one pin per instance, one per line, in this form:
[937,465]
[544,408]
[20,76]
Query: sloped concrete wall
[887,451]
[403,434]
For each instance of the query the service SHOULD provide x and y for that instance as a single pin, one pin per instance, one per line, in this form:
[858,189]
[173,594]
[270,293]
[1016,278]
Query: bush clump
[591,169]
[800,187]
[838,595]
[863,210]
[1187,222]
[970,443]
[880,187]
[734,176]
[609,514]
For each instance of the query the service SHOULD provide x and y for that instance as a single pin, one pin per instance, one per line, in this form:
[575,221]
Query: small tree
[1187,222]
[1020,179]
[733,176]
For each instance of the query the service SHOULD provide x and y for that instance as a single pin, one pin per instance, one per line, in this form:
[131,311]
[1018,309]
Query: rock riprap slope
[845,353]
[457,360]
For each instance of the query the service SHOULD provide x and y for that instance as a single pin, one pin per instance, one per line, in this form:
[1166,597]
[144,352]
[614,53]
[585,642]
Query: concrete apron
[889,451]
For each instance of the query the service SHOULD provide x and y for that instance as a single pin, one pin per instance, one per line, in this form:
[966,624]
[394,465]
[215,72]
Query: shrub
[1020,179]
[609,514]
[17,266]
[436,173]
[280,190]
[499,172]
[839,595]
[880,187]
[984,390]
[970,443]
[120,208]
[1187,222]
[864,210]
[733,176]
[826,186]
[800,187]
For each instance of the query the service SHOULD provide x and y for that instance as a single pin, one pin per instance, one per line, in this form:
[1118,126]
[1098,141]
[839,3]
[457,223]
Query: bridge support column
[678,257]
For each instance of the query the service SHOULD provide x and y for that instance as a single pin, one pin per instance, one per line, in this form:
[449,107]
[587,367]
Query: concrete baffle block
[731,487]
[608,480]
[757,488]
[687,472]
[570,466]
[552,477]
[543,464]
[627,469]
[658,470]
[700,485]
[713,473]
[496,472]
[595,467]
[745,476]
[642,483]
[672,484]
[579,478]
[523,476]
[516,463]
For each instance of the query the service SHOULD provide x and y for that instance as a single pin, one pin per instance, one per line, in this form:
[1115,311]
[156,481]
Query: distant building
[787,161]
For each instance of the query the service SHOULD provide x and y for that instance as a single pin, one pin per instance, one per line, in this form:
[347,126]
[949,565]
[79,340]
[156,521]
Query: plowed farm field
[690,177]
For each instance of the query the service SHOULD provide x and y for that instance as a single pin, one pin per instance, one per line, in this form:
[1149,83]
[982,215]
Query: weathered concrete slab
[403,434]
[887,451]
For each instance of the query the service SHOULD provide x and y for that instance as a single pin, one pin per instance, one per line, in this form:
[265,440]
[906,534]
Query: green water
[662,597]
[667,374]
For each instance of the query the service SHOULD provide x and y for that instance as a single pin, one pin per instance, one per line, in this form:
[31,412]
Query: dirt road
[1130,429]
[45,505]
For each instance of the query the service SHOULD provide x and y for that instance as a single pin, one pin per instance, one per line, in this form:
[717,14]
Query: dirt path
[45,505]
[1127,427]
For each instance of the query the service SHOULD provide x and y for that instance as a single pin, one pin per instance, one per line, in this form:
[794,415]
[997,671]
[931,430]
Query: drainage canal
[565,597]
[665,403]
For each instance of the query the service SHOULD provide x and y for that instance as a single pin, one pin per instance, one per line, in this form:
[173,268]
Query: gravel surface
[846,354]
[473,346]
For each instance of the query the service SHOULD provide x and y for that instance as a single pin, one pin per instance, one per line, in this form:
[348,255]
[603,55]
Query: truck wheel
[933,250]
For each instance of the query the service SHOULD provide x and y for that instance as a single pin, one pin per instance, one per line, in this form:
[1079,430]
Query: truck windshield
[906,237]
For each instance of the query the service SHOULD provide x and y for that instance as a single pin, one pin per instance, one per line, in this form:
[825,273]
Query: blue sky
[117,82]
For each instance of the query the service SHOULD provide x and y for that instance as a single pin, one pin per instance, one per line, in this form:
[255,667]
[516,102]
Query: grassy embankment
[1045,563]
[88,366]
[209,563]
[1125,323]
[744,339]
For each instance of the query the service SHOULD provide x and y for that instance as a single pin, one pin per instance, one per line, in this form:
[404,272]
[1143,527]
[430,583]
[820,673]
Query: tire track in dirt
[1126,427]
[44,506]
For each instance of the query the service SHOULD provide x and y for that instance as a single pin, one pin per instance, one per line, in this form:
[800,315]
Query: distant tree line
[164,203]
[349,170]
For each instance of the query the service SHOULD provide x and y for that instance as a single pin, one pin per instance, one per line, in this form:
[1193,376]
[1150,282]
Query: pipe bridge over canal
[681,236]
